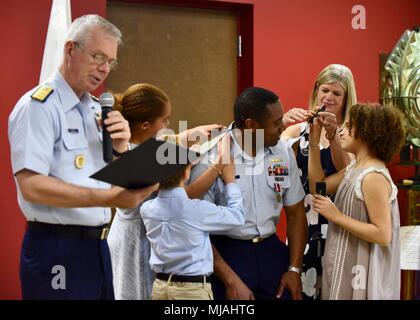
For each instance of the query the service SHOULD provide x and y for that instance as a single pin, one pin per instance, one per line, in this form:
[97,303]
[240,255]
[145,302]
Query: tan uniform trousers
[169,290]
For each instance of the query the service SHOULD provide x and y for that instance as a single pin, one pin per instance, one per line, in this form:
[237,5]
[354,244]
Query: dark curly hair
[380,127]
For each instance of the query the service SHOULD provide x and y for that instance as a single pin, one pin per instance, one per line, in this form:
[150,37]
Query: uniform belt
[83,232]
[181,278]
[258,239]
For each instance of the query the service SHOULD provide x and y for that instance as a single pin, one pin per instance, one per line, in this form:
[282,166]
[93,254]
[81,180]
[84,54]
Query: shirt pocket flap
[74,141]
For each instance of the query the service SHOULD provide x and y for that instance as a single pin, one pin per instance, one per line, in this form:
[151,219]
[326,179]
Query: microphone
[321,188]
[106,100]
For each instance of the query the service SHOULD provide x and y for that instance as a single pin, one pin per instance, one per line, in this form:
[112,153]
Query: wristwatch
[293,269]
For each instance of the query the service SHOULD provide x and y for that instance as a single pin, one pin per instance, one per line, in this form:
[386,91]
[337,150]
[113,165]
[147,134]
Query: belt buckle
[104,233]
[257,239]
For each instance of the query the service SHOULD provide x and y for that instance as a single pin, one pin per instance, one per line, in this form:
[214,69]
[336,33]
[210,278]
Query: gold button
[79,161]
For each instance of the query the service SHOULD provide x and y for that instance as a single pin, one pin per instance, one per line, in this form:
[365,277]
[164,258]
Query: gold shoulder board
[42,93]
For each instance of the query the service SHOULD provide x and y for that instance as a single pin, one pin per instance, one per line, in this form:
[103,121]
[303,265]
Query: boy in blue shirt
[178,230]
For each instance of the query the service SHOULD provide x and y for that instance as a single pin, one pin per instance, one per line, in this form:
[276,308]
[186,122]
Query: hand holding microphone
[116,131]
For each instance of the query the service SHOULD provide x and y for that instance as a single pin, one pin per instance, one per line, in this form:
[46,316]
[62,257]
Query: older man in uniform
[55,137]
[250,261]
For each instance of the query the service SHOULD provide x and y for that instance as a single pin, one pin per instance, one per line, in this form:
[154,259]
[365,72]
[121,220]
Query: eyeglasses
[100,58]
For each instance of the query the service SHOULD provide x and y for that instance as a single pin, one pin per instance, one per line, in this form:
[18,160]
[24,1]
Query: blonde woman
[334,88]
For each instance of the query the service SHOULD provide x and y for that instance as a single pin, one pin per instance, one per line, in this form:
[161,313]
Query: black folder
[147,164]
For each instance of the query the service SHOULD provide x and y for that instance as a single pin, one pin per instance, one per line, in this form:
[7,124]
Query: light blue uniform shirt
[46,137]
[262,201]
[178,229]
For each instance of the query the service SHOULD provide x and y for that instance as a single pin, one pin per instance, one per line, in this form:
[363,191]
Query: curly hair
[380,127]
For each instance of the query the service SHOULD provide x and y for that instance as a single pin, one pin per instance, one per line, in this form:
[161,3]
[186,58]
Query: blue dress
[317,224]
